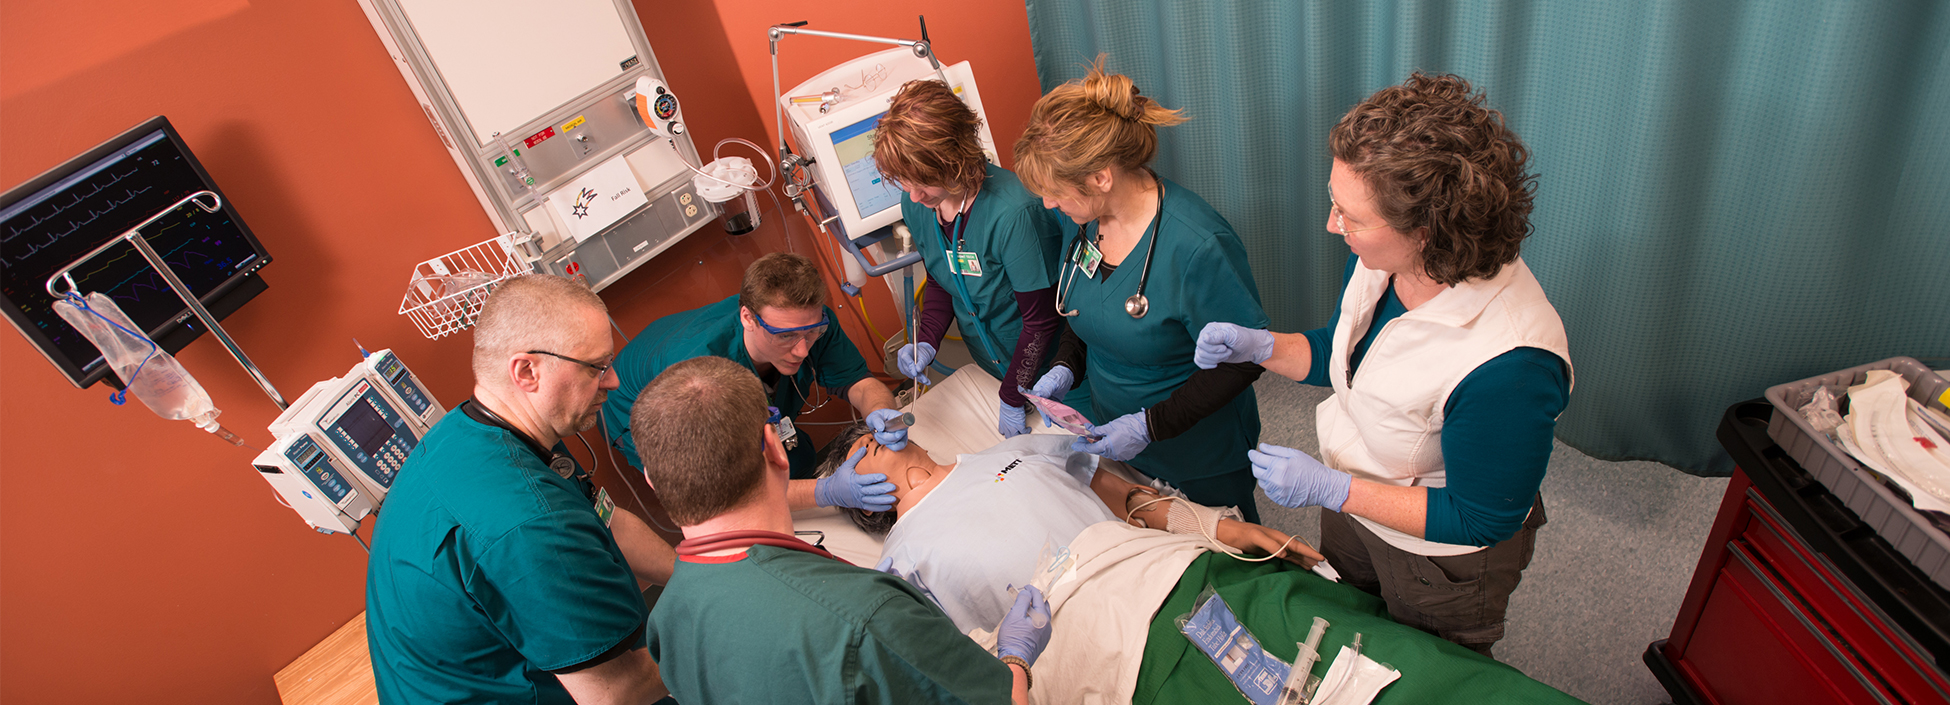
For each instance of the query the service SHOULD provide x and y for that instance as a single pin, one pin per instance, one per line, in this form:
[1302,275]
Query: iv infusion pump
[341,445]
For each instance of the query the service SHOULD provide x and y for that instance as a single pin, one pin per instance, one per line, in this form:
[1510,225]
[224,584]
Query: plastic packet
[1212,627]
[153,375]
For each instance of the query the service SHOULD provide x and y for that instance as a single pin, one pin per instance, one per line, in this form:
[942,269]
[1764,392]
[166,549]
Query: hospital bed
[1094,657]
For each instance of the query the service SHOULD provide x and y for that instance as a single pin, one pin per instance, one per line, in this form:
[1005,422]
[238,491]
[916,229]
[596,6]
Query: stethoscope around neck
[1137,305]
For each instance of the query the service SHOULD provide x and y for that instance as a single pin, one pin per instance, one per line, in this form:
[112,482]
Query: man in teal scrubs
[779,327]
[498,573]
[753,614]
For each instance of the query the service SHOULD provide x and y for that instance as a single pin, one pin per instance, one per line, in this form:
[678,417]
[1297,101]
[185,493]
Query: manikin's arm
[1113,491]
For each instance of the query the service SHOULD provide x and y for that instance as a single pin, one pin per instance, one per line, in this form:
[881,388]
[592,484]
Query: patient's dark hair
[875,523]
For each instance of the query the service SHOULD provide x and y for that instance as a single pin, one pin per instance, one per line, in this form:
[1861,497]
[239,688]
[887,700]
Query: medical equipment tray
[1860,490]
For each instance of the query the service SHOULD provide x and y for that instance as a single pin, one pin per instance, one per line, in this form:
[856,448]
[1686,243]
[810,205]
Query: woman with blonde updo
[1149,266]
[988,244]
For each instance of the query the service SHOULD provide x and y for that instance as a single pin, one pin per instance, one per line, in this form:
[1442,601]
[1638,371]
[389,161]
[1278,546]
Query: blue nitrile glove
[913,360]
[1054,384]
[895,439]
[846,488]
[1294,479]
[1226,342]
[1011,423]
[1019,636]
[1122,439]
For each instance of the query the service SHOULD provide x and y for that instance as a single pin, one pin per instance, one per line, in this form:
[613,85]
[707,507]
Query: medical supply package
[1063,416]
[1214,630]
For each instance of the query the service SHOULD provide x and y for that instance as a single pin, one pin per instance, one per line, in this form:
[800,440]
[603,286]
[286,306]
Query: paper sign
[597,199]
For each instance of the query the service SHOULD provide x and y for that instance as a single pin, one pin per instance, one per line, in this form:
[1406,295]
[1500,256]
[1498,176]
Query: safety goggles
[792,336]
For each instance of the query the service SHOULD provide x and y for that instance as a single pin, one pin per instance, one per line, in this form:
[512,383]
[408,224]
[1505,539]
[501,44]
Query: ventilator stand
[134,237]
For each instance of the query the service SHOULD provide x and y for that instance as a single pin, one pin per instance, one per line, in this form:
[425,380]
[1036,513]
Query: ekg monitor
[95,197]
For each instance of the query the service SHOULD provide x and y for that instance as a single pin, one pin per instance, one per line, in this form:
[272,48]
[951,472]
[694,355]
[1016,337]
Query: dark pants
[1460,598]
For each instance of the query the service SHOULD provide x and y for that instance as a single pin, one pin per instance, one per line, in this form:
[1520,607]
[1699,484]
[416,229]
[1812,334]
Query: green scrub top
[774,625]
[1015,239]
[1199,275]
[489,570]
[715,329]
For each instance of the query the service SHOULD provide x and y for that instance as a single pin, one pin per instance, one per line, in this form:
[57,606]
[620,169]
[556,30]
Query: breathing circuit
[152,373]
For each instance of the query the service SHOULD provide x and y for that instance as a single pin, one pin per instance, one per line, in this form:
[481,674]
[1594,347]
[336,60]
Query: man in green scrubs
[752,614]
[498,573]
[778,326]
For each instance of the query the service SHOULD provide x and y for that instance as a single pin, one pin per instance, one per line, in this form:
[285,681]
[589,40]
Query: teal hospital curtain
[1732,195]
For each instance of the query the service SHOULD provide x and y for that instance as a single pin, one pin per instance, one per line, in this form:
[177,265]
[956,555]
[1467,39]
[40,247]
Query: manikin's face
[902,467]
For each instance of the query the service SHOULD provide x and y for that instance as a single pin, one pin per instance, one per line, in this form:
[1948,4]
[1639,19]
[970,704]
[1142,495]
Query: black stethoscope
[1137,305]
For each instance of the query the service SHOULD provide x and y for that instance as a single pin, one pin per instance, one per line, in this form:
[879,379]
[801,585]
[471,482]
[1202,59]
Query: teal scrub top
[1015,239]
[1199,275]
[489,570]
[774,625]
[715,329]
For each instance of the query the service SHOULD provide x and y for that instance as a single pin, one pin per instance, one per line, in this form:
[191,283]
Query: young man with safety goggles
[778,326]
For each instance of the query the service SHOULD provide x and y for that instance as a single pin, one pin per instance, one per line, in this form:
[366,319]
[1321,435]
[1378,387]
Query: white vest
[1385,425]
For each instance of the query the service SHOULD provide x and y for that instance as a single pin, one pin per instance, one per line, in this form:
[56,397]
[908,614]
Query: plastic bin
[1859,489]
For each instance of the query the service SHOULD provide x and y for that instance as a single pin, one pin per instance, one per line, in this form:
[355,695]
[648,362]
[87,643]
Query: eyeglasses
[601,369]
[792,336]
[1340,220]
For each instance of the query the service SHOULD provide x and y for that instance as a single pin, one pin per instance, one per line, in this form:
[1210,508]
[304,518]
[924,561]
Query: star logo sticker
[583,199]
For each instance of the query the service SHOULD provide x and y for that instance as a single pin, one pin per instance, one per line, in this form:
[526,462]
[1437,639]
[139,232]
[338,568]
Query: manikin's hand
[1253,538]
[1292,478]
[846,488]
[1121,440]
[894,440]
[1226,342]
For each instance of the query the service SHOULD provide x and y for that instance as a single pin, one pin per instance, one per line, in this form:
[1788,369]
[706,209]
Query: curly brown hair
[1086,125]
[930,138]
[1437,158]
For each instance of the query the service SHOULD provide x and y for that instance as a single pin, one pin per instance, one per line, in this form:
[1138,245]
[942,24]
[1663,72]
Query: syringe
[1300,682]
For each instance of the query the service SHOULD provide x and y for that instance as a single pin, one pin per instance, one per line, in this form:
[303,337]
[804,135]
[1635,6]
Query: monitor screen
[872,193]
[61,215]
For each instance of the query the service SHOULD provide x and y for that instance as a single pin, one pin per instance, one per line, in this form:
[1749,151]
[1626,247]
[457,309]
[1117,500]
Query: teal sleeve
[836,361]
[1321,340]
[1496,443]
[1028,238]
[1218,286]
[558,590]
[911,653]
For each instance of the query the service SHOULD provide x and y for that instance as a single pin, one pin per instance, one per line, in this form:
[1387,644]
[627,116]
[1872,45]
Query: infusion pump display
[341,445]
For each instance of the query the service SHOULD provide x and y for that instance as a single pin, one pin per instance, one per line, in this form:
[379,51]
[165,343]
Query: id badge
[605,508]
[968,264]
[788,435]
[1088,257]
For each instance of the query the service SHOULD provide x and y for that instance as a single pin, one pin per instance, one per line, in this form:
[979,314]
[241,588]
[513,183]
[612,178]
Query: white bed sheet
[956,416]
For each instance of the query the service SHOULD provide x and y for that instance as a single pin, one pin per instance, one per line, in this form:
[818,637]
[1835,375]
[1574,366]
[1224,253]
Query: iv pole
[134,237]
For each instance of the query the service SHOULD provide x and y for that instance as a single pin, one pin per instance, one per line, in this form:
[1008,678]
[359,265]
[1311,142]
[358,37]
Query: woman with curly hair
[1449,366]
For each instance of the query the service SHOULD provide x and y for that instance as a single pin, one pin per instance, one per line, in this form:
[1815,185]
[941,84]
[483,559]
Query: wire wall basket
[446,292]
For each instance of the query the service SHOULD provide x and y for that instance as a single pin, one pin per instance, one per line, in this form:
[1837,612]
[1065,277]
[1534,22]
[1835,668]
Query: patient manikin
[966,532]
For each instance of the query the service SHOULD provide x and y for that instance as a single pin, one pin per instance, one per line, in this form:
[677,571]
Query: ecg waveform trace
[204,249]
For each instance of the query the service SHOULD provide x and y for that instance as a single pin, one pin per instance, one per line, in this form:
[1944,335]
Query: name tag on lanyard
[968,263]
[1088,257]
[605,507]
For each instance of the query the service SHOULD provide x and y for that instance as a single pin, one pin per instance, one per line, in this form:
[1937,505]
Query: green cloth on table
[1277,601]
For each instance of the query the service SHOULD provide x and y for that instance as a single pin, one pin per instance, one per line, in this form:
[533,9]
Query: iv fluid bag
[163,384]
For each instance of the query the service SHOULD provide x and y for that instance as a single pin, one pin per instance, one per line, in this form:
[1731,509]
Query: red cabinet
[1787,607]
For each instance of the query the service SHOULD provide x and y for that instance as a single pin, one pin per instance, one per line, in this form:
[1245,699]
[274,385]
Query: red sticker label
[539,137]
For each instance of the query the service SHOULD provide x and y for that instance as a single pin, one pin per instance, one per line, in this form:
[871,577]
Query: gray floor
[1610,568]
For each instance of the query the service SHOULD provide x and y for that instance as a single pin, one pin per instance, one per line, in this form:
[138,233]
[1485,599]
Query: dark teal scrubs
[1199,275]
[774,625]
[488,571]
[1015,239]
[833,363]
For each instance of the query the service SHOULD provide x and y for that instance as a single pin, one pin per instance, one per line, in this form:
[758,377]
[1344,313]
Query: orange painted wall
[141,560]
